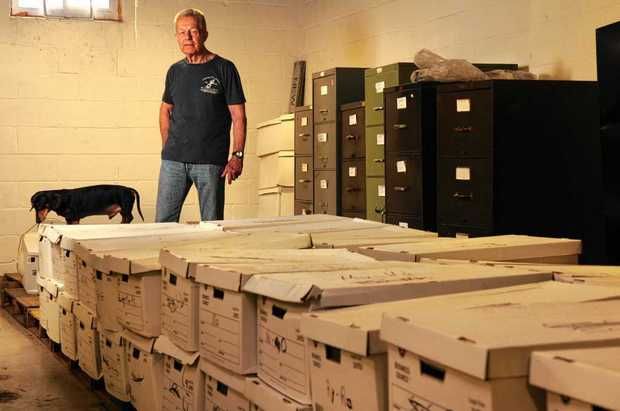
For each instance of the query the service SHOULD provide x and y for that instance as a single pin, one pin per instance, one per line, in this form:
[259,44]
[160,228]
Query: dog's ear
[55,201]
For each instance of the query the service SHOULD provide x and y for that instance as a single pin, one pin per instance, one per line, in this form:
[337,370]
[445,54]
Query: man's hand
[233,169]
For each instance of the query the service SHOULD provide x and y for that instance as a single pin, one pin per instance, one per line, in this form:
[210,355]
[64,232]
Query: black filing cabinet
[331,89]
[353,149]
[304,166]
[520,157]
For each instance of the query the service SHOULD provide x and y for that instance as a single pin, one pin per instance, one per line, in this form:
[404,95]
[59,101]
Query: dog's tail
[137,201]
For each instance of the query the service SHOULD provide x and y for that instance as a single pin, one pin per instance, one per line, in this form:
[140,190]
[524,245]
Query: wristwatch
[238,154]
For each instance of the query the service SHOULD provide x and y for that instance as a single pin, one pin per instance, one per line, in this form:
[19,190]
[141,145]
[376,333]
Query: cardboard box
[264,398]
[447,359]
[50,309]
[275,135]
[68,326]
[276,201]
[227,329]
[28,262]
[379,235]
[146,372]
[282,353]
[87,285]
[518,248]
[582,379]
[183,383]
[179,310]
[109,306]
[276,169]
[89,355]
[268,223]
[348,359]
[224,390]
[44,300]
[114,364]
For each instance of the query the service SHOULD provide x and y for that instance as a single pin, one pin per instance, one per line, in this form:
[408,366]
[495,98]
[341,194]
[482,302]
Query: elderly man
[202,97]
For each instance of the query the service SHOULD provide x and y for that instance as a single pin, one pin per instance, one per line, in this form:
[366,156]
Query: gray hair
[195,13]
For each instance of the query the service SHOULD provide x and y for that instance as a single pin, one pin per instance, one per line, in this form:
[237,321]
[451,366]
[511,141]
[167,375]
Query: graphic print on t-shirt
[211,85]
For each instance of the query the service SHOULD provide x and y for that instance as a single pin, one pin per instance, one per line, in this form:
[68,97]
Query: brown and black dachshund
[75,204]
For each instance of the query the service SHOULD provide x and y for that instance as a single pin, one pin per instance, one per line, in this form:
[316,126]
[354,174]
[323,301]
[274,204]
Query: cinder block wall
[553,38]
[79,100]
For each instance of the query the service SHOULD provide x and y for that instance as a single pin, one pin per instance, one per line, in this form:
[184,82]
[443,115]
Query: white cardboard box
[227,329]
[44,300]
[579,379]
[87,285]
[28,262]
[49,308]
[447,359]
[68,326]
[276,169]
[146,372]
[269,223]
[352,335]
[89,355]
[518,248]
[183,383]
[114,364]
[179,310]
[283,359]
[377,235]
[276,201]
[275,135]
[264,398]
[224,390]
[308,224]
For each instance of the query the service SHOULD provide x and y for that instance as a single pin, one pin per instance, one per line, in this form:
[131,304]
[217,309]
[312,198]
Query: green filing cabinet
[376,79]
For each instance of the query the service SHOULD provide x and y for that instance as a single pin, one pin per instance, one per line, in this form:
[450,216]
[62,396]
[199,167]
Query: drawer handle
[378,160]
[401,188]
[324,203]
[463,129]
[304,181]
[380,210]
[304,135]
[351,137]
[323,110]
[461,196]
[352,189]
[399,126]
[324,158]
[378,108]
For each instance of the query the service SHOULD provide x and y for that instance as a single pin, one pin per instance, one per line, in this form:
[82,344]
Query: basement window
[78,9]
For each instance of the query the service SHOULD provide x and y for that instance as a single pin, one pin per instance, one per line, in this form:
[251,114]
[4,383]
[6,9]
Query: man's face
[189,36]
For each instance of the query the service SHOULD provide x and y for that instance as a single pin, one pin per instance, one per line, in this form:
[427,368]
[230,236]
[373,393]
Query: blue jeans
[175,180]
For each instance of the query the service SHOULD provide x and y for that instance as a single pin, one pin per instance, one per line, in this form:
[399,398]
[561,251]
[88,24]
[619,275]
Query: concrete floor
[32,377]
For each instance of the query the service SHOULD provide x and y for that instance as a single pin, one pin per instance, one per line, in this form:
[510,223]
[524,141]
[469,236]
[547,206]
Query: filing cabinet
[353,186]
[353,129]
[375,153]
[375,198]
[403,220]
[410,153]
[332,132]
[304,158]
[521,157]
[326,198]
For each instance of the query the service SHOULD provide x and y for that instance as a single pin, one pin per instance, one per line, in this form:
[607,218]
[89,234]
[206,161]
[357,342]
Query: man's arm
[235,165]
[164,121]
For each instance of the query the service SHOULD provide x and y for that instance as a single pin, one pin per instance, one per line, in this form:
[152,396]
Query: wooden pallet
[8,281]
[33,321]
[23,304]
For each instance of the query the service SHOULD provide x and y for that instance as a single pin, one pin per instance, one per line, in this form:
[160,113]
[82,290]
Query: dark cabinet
[304,177]
[353,128]
[353,186]
[326,146]
[303,131]
[326,198]
[303,207]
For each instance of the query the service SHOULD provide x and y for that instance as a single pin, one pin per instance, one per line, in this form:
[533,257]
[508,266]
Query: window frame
[113,13]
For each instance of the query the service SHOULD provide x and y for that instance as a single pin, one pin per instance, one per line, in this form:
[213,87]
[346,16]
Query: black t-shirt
[200,121]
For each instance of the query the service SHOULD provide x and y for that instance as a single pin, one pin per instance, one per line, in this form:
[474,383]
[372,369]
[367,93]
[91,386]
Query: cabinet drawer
[404,184]
[465,124]
[324,99]
[326,192]
[402,121]
[465,190]
[303,208]
[375,198]
[325,146]
[375,151]
[374,86]
[352,135]
[353,186]
[304,174]
[303,132]
[404,220]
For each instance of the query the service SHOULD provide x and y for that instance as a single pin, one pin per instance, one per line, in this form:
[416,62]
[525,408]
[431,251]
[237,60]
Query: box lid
[163,345]
[267,223]
[115,336]
[269,399]
[84,315]
[496,248]
[145,344]
[229,378]
[275,121]
[31,243]
[183,260]
[66,301]
[374,235]
[51,286]
[356,329]
[391,281]
[591,375]
[228,270]
[500,343]
[389,67]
